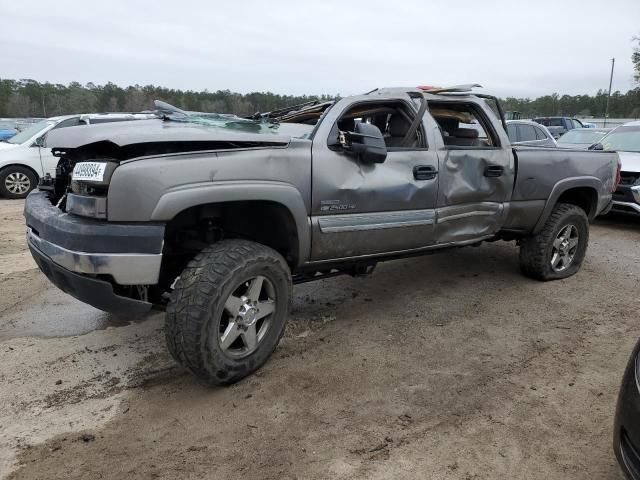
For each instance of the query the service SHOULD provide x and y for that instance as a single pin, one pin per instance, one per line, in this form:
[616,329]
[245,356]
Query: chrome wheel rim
[17,183]
[564,248]
[246,317]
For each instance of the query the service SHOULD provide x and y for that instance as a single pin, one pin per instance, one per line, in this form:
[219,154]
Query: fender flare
[561,187]
[174,201]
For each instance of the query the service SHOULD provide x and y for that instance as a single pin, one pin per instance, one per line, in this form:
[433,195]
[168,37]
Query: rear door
[367,209]
[476,171]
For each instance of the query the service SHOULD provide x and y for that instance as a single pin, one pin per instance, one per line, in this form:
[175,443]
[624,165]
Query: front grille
[629,178]
[630,456]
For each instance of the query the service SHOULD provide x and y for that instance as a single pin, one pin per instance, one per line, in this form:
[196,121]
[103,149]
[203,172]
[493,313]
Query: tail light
[618,175]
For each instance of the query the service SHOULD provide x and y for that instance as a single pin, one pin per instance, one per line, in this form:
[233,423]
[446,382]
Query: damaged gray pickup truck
[214,217]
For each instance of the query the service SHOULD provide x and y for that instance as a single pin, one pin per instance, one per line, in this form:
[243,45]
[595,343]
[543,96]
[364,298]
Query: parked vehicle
[625,140]
[23,161]
[626,429]
[588,124]
[523,132]
[559,125]
[7,130]
[214,216]
[582,137]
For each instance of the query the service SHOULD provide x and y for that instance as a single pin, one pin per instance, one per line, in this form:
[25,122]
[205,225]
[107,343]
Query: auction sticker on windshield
[93,171]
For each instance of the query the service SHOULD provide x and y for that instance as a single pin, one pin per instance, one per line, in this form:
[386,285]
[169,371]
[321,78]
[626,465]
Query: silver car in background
[524,132]
[582,137]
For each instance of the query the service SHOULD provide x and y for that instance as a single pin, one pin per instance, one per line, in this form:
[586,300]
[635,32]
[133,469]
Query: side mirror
[39,142]
[366,142]
[596,146]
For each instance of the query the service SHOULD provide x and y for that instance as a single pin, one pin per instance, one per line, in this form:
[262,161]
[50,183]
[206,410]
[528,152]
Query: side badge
[335,206]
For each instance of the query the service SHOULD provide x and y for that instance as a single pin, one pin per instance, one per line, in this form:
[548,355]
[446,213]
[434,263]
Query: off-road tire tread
[198,289]
[533,261]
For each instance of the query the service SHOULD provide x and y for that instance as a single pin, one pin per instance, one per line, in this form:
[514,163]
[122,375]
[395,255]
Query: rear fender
[563,186]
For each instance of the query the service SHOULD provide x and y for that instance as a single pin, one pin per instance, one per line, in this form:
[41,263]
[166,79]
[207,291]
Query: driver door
[361,209]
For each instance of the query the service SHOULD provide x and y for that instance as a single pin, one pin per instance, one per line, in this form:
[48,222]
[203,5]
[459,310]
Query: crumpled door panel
[470,204]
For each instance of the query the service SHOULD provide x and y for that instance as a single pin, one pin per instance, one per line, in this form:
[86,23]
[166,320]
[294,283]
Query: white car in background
[23,160]
[625,139]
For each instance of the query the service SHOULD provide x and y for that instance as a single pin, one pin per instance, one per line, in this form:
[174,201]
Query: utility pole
[606,110]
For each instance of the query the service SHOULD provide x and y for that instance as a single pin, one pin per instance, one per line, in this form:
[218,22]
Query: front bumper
[124,268]
[87,258]
[627,199]
[95,292]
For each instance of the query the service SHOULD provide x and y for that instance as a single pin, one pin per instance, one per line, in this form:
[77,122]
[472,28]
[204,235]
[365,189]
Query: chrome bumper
[633,206]
[125,268]
[628,199]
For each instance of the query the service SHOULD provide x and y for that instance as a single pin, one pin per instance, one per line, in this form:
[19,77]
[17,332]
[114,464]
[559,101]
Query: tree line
[30,98]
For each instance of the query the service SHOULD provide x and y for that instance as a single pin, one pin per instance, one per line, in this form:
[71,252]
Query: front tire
[558,250]
[17,182]
[228,310]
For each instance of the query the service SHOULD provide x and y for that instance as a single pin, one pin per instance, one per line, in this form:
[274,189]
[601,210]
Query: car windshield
[7,126]
[625,139]
[29,132]
[582,135]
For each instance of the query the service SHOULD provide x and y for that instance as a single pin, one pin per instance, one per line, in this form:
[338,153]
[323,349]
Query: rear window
[526,133]
[550,122]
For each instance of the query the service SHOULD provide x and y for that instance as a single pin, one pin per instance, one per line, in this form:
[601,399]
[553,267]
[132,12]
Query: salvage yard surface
[451,366]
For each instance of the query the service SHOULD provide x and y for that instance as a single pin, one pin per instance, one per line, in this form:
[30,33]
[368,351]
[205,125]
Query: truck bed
[544,174]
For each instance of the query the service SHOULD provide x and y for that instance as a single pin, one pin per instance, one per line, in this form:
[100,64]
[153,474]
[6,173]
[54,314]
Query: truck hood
[630,161]
[231,129]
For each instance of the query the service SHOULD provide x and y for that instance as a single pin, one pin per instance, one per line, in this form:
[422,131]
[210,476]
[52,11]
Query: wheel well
[265,222]
[22,166]
[583,197]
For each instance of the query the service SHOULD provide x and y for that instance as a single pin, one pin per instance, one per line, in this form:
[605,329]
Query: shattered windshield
[220,120]
[262,122]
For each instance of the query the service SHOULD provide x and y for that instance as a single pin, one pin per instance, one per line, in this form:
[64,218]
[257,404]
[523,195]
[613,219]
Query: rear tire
[17,181]
[558,250]
[228,310]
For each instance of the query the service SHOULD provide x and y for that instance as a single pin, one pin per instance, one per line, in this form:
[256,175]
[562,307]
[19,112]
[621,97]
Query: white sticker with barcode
[93,171]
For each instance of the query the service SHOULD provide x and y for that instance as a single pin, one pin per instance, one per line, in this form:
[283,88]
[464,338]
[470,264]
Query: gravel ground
[450,366]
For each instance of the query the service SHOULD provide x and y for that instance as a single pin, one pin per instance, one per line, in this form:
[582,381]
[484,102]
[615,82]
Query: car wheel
[17,182]
[228,310]
[557,251]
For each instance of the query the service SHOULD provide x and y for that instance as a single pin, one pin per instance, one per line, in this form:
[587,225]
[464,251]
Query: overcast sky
[512,47]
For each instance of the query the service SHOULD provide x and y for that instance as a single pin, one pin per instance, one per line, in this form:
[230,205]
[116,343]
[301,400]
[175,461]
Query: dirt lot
[451,366]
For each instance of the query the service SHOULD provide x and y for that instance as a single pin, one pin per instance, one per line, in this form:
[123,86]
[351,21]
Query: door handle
[424,172]
[493,171]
